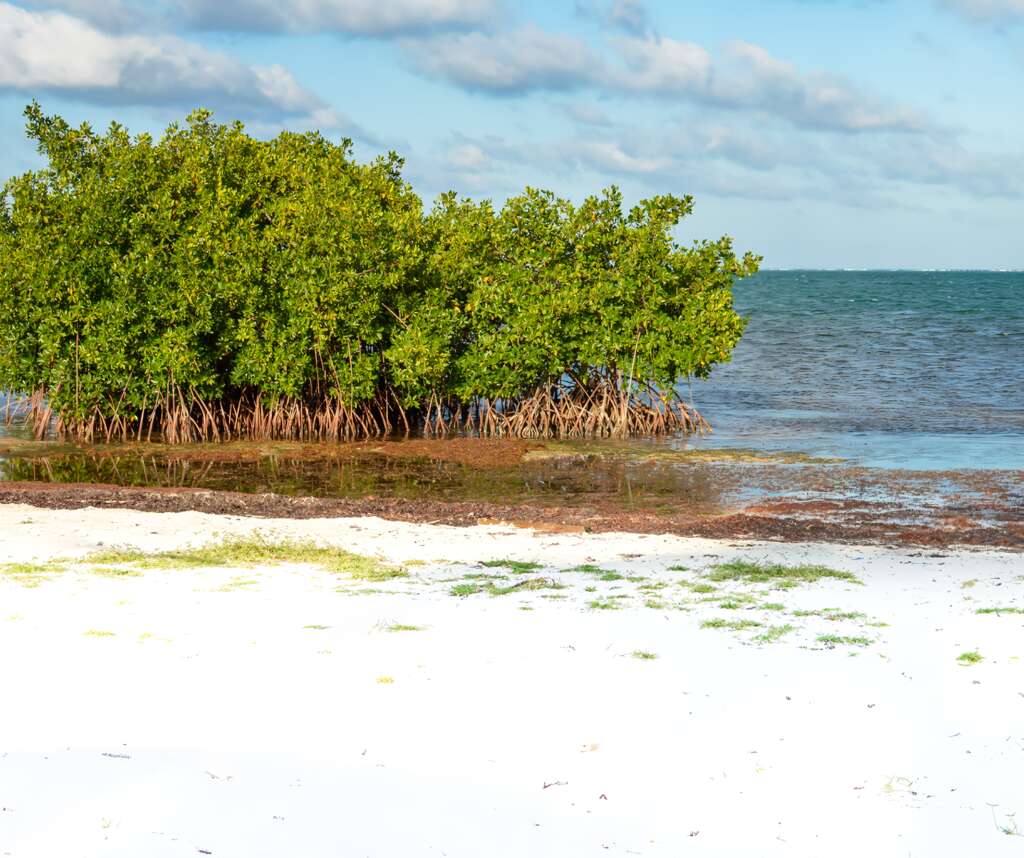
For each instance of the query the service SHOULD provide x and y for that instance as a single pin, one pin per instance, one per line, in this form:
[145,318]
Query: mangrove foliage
[208,285]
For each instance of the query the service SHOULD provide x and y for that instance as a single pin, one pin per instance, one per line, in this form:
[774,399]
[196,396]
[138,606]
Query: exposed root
[17,409]
[576,412]
[182,418]
[600,410]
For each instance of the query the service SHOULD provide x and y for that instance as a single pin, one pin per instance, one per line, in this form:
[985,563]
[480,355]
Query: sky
[817,133]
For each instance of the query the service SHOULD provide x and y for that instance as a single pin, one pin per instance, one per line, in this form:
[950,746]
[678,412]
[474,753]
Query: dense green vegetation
[209,285]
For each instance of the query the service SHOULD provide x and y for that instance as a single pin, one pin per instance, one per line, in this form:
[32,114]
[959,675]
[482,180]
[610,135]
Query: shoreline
[786,520]
[512,692]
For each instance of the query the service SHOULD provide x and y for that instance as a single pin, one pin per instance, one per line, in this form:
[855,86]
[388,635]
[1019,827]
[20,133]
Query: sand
[271,712]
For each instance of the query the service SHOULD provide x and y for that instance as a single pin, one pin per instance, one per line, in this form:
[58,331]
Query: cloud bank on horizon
[834,132]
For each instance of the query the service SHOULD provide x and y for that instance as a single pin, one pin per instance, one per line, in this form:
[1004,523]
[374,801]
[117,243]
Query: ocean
[892,369]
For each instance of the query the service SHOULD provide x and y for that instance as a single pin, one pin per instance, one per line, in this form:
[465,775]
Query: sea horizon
[869,270]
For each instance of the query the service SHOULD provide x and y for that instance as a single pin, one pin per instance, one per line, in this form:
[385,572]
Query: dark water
[915,370]
[573,481]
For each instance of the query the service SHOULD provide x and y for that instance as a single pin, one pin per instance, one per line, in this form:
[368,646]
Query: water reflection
[573,481]
[606,478]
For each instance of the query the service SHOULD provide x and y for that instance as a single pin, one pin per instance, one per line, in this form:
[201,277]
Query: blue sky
[819,133]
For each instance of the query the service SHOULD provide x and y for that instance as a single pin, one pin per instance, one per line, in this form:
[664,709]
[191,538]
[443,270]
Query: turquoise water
[893,369]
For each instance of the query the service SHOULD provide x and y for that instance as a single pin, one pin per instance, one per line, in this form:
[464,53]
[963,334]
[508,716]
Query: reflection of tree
[577,481]
[116,470]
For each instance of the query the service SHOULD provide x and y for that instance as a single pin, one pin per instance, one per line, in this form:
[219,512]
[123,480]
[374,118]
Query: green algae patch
[774,633]
[31,574]
[777,574]
[841,640]
[512,565]
[472,588]
[732,625]
[235,552]
[603,605]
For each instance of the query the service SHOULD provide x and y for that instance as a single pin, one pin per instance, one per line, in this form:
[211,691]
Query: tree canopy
[210,285]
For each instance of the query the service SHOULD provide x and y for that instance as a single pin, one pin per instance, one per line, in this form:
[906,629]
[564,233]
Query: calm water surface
[916,370]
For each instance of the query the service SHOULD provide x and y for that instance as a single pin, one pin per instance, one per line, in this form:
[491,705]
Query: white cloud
[359,17]
[987,11]
[512,63]
[610,156]
[111,15]
[983,175]
[765,160]
[662,66]
[630,16]
[763,82]
[747,77]
[52,51]
[664,161]
[468,156]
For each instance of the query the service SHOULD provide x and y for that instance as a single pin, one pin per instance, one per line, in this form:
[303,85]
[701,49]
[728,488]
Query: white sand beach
[287,710]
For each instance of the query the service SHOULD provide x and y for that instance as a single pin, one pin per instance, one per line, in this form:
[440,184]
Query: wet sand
[840,521]
[286,710]
[642,486]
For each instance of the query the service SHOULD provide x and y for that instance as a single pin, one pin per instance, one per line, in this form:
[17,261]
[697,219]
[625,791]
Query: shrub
[209,285]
